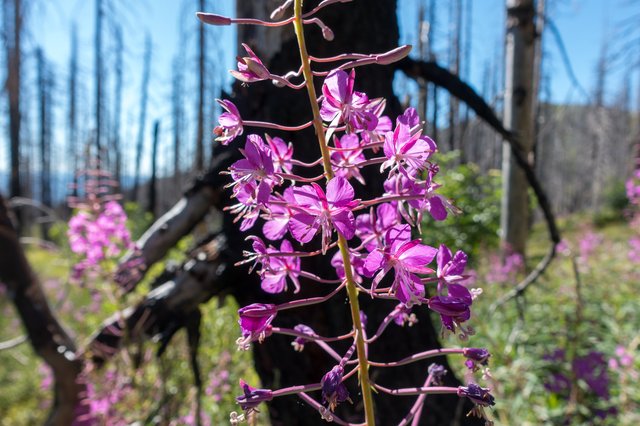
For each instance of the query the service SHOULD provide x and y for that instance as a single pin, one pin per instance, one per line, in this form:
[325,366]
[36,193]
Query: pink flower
[346,162]
[405,148]
[255,322]
[230,123]
[250,68]
[314,211]
[281,153]
[372,227]
[407,258]
[453,308]
[450,269]
[278,216]
[279,269]
[342,104]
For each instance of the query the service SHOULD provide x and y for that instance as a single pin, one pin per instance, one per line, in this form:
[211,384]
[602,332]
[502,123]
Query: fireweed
[372,237]
[98,230]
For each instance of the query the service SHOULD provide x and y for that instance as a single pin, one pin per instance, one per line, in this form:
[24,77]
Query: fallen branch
[165,232]
[49,340]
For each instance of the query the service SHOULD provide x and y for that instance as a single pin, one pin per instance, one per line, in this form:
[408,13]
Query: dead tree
[44,132]
[455,12]
[13,18]
[72,117]
[153,190]
[98,76]
[144,90]
[46,335]
[199,160]
[117,107]
[518,116]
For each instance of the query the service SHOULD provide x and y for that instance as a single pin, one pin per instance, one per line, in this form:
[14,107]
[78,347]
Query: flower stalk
[352,290]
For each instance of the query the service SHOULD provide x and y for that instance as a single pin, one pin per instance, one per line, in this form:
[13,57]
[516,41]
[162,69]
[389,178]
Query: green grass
[517,338]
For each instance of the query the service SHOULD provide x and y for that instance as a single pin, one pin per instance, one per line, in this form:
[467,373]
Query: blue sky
[584,24]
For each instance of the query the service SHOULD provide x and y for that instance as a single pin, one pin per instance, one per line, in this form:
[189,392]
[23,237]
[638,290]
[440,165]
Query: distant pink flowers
[98,235]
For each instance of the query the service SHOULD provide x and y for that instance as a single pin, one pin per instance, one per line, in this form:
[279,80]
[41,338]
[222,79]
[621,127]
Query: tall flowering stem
[352,290]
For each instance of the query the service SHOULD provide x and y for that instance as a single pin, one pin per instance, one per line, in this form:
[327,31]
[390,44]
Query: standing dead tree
[13,13]
[199,160]
[144,93]
[518,116]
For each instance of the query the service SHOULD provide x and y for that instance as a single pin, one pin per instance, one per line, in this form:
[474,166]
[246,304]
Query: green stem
[352,290]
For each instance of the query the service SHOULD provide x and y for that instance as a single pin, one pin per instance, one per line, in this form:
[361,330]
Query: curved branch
[47,336]
[431,71]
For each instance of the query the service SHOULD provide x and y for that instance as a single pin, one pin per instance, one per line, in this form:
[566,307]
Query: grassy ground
[600,315]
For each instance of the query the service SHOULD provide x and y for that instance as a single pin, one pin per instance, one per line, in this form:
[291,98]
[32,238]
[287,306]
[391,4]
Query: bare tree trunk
[13,15]
[423,35]
[154,170]
[98,76]
[115,138]
[177,112]
[518,103]
[432,57]
[44,135]
[454,67]
[201,89]
[143,113]
[72,151]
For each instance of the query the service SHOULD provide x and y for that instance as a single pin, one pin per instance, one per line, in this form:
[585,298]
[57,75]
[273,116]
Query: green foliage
[138,221]
[600,314]
[477,194]
[616,204]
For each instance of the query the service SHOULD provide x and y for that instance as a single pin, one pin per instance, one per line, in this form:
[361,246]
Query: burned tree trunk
[144,90]
[518,117]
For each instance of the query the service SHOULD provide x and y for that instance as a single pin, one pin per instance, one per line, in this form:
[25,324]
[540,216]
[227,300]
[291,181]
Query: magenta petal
[461,292]
[437,208]
[444,256]
[458,264]
[275,229]
[339,191]
[344,222]
[273,283]
[373,263]
[303,227]
[417,257]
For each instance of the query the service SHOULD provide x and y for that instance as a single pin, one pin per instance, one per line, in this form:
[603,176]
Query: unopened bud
[213,19]
[393,55]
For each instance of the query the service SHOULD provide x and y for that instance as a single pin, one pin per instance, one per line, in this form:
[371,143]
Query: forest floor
[564,353]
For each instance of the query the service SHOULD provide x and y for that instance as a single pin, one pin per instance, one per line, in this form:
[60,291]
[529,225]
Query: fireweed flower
[333,390]
[279,269]
[255,323]
[341,104]
[356,123]
[299,342]
[481,397]
[450,269]
[406,258]
[346,162]
[453,308]
[252,397]
[437,373]
[475,357]
[357,265]
[229,123]
[316,210]
[257,166]
[372,227]
[281,153]
[407,151]
[250,68]
[278,215]
[403,315]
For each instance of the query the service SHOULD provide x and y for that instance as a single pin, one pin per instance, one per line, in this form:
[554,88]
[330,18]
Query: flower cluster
[98,231]
[369,240]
